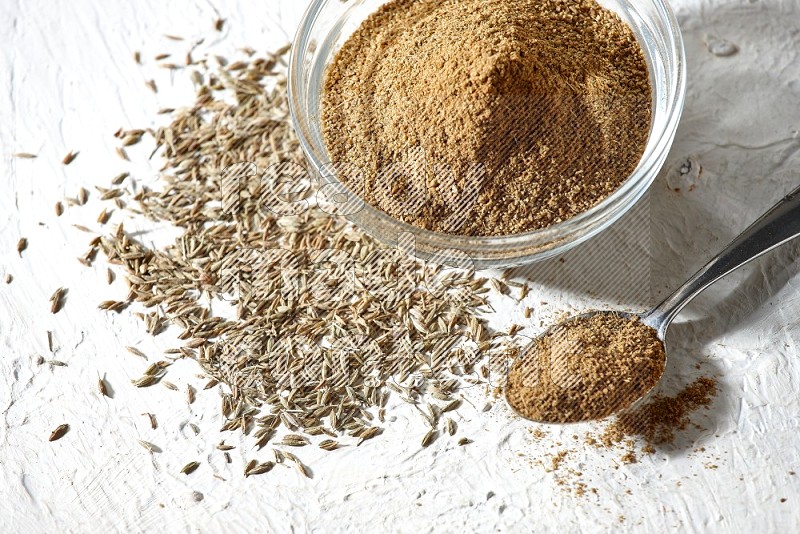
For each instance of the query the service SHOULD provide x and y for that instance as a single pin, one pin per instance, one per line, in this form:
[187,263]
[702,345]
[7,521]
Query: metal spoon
[777,226]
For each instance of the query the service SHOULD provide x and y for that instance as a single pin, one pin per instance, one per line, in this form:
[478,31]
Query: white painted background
[68,82]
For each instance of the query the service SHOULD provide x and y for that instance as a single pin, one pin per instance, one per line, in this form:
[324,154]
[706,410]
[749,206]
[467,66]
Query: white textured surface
[68,82]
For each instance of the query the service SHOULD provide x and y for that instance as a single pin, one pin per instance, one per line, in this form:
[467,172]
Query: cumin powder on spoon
[487,117]
[586,368]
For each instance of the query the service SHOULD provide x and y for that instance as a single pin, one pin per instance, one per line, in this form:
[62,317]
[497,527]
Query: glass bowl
[325,27]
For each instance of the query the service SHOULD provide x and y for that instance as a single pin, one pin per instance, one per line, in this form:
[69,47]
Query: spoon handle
[777,226]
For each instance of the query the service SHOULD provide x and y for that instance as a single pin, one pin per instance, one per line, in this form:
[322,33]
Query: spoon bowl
[586,367]
[777,226]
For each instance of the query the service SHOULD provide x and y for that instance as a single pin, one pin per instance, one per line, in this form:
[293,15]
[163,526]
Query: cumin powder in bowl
[504,130]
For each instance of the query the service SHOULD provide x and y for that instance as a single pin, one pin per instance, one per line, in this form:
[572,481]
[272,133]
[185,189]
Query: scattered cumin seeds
[264,438]
[289,456]
[368,433]
[137,57]
[450,426]
[57,300]
[152,418]
[164,281]
[149,446]
[260,469]
[83,196]
[211,383]
[103,217]
[112,305]
[189,468]
[189,394]
[22,244]
[9,278]
[146,381]
[59,209]
[131,139]
[136,352]
[102,387]
[452,405]
[69,158]
[218,24]
[110,276]
[173,37]
[294,440]
[111,193]
[121,151]
[429,438]
[156,368]
[329,445]
[250,465]
[25,155]
[464,441]
[302,469]
[59,432]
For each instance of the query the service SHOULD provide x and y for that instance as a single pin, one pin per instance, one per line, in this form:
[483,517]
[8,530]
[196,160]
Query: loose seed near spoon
[593,365]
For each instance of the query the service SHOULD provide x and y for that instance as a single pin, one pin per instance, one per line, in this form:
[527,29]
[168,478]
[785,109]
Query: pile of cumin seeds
[310,351]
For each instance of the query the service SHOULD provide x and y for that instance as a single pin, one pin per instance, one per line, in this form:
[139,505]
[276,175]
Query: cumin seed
[69,158]
[190,468]
[59,432]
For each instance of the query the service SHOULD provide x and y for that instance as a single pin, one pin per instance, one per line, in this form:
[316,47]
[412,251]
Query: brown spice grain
[69,158]
[59,432]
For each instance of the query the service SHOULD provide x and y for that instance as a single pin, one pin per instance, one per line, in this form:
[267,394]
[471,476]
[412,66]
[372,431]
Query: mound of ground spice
[586,368]
[487,117]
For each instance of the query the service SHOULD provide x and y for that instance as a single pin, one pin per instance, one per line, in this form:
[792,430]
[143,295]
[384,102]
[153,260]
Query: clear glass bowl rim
[536,245]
